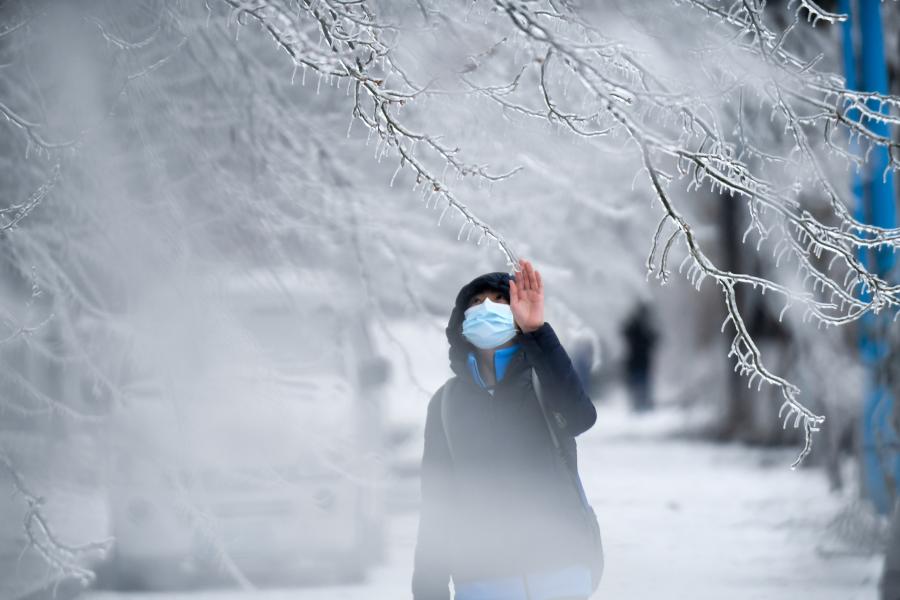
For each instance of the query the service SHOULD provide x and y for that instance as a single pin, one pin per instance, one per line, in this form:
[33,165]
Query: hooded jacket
[494,501]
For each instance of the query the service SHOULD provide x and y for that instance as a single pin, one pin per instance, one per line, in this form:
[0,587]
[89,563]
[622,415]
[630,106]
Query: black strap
[560,422]
[445,393]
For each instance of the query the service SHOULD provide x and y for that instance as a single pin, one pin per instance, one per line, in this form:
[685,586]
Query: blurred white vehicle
[417,351]
[256,458]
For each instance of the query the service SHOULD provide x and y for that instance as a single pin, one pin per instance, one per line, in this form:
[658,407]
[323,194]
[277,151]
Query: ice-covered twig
[636,102]
[66,559]
[353,35]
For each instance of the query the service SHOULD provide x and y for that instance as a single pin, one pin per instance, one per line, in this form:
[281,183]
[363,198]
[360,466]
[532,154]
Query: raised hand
[526,297]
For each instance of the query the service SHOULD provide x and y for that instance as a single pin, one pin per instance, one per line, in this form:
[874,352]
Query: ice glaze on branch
[668,130]
[63,558]
[353,37]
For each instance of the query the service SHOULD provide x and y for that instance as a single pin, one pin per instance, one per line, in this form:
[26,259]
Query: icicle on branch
[837,286]
[357,53]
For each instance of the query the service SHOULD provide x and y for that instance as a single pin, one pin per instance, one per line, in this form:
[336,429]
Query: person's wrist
[532,329]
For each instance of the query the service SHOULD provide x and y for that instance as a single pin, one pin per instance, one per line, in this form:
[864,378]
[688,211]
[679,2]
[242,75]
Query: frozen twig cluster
[594,86]
[682,136]
[65,559]
[351,50]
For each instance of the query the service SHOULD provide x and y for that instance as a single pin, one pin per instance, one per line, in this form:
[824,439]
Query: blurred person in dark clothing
[640,342]
[583,360]
[497,515]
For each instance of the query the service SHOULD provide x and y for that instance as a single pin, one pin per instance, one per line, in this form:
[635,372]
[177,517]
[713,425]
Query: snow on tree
[572,73]
[151,140]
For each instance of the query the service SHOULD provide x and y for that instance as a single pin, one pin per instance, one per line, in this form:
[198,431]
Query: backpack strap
[561,423]
[445,394]
[557,416]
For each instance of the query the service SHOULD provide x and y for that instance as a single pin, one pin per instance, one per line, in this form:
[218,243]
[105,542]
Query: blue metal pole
[873,479]
[877,206]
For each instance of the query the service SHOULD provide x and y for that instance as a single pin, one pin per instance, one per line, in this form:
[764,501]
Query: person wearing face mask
[497,516]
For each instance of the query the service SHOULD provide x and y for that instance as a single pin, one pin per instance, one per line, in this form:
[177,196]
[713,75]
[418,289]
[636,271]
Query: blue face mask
[489,324]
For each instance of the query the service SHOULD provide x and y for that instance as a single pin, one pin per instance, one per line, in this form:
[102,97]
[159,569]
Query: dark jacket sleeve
[431,568]
[560,385]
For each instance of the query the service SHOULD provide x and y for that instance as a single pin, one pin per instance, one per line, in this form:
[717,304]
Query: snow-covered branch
[65,559]
[751,120]
[357,56]
[681,136]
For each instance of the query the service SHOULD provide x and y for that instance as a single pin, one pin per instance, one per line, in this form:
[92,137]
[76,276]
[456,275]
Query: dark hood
[459,346]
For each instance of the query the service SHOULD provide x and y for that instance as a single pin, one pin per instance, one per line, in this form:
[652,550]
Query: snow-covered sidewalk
[681,519]
[691,519]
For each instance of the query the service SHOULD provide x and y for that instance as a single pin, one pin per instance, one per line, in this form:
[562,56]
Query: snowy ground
[680,518]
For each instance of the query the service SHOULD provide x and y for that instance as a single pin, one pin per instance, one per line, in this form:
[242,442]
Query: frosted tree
[219,122]
[571,72]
